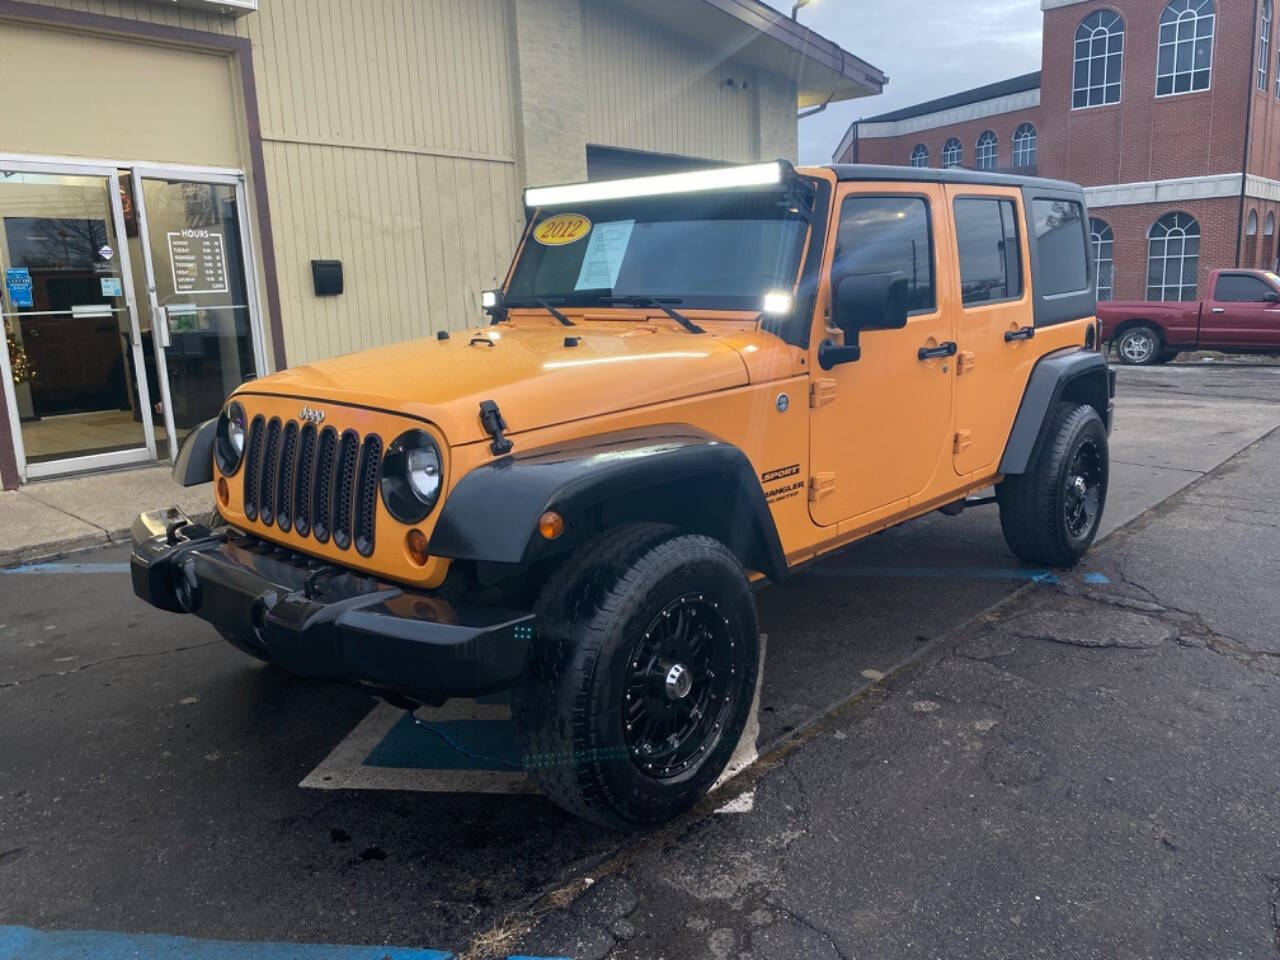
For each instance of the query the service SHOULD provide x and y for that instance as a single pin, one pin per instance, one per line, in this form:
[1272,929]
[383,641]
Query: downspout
[1248,123]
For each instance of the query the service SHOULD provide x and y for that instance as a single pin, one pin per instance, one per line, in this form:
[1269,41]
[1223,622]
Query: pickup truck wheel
[1139,346]
[640,681]
[1050,514]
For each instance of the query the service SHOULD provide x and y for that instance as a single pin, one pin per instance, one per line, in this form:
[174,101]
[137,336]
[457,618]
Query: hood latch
[494,425]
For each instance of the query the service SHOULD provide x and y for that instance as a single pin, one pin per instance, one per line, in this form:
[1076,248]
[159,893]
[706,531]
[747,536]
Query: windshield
[715,252]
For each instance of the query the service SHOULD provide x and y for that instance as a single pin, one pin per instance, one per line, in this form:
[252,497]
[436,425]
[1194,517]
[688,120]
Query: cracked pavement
[1086,771]
[1106,748]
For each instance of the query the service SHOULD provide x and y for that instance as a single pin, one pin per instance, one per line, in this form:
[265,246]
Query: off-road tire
[1034,506]
[569,703]
[1139,346]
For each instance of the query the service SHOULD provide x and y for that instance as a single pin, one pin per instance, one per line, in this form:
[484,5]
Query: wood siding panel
[649,89]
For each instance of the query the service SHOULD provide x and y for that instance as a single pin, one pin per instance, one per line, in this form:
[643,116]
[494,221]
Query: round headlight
[228,446]
[412,475]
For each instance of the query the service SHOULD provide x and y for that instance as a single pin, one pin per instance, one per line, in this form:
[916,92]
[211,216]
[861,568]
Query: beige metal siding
[650,89]
[419,237]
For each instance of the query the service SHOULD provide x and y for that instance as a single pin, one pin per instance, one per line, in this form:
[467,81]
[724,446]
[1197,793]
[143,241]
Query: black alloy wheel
[678,686]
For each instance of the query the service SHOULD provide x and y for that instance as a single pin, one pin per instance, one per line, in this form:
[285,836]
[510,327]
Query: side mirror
[863,301]
[869,301]
[1271,297]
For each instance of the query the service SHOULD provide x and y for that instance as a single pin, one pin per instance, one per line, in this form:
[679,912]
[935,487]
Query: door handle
[1219,309]
[947,349]
[1022,333]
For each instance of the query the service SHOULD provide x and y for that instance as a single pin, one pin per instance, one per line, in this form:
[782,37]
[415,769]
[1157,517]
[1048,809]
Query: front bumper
[325,622]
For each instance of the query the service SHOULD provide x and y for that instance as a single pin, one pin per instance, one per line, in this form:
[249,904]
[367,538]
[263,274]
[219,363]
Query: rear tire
[1050,514]
[1139,346]
[640,682]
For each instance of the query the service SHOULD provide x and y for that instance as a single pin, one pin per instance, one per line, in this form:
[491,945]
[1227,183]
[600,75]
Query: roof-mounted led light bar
[695,181]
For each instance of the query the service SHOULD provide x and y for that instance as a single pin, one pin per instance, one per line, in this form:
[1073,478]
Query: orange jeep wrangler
[689,383]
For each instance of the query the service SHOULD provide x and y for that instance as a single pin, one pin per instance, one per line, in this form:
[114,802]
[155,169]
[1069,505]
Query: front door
[202,312]
[1239,315]
[73,369]
[881,424]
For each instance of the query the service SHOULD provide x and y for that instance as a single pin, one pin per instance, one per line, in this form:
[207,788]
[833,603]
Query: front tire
[640,682]
[1050,514]
[1139,346]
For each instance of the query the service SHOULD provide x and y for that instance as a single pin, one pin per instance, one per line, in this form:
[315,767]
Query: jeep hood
[536,380]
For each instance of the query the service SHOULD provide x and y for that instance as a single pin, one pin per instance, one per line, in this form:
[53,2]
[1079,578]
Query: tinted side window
[990,252]
[889,235]
[1235,288]
[1063,245]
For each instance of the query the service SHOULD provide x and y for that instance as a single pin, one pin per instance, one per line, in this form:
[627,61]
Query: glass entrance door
[202,316]
[72,367]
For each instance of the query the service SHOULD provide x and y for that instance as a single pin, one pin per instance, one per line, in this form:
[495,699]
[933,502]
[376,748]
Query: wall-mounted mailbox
[327,276]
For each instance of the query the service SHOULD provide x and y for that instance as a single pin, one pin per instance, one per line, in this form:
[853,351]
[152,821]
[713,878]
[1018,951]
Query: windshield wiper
[545,304]
[661,304]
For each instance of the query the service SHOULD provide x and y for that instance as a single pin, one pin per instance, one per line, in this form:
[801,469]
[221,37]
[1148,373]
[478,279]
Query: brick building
[1167,111]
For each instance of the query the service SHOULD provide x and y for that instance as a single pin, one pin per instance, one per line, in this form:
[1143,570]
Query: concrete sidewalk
[51,518]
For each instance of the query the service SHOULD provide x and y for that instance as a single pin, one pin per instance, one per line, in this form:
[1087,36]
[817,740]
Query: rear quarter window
[1063,246]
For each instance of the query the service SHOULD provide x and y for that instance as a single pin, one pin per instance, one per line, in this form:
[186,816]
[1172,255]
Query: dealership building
[197,193]
[1167,111]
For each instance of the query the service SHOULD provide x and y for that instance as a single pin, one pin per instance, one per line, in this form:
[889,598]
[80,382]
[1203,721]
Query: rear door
[995,300]
[1239,314]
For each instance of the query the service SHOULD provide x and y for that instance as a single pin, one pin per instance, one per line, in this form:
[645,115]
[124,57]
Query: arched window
[1251,239]
[1269,242]
[952,153]
[1104,242]
[1270,229]
[1024,146]
[1264,45]
[1251,225]
[1185,61]
[920,156]
[988,150]
[1099,60]
[1173,257]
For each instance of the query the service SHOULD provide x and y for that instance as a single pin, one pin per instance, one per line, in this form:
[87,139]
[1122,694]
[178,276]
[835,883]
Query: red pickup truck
[1242,315]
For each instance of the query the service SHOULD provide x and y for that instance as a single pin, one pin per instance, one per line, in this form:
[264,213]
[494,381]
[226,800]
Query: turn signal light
[416,543]
[550,525]
[224,492]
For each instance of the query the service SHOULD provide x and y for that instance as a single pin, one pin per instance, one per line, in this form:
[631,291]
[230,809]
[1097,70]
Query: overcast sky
[929,48]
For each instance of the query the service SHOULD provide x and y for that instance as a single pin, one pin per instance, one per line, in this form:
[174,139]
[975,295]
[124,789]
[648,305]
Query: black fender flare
[669,474]
[1070,374]
[194,465]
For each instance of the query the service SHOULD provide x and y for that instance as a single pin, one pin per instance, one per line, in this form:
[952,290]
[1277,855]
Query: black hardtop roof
[956,175]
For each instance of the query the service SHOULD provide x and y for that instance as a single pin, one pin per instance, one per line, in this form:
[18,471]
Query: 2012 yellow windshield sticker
[561,229]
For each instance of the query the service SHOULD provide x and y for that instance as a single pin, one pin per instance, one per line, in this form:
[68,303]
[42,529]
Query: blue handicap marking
[474,744]
[40,568]
[24,943]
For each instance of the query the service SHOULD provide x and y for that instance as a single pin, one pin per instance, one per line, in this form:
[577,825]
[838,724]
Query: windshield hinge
[822,392]
[494,425]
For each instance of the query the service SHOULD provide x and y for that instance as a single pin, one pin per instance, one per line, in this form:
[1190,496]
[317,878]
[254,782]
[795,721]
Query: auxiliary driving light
[777,303]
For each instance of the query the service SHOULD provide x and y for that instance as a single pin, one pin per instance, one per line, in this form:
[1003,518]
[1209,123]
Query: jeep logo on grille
[312,415]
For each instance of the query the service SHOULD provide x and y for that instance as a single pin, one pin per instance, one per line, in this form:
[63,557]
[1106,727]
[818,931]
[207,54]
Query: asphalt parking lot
[940,777]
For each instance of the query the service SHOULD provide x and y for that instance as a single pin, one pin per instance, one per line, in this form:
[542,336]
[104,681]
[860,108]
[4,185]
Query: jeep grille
[320,484]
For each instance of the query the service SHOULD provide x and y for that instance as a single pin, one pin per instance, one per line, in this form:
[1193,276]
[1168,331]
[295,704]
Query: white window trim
[1213,52]
[1096,241]
[1074,61]
[980,150]
[1033,138]
[959,153]
[1264,48]
[1163,286]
